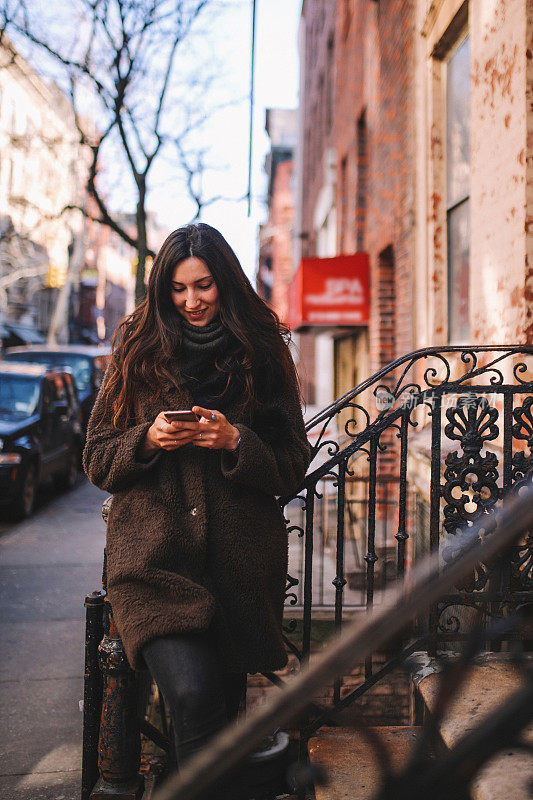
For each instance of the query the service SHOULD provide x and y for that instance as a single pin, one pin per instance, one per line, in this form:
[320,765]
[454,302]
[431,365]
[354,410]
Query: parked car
[41,435]
[86,363]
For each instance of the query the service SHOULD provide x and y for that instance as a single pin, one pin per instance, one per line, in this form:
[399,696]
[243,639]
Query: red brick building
[413,135]
[316,128]
[275,235]
[373,144]
[355,173]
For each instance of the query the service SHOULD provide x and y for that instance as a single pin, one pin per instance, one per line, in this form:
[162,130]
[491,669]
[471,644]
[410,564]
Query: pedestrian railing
[430,445]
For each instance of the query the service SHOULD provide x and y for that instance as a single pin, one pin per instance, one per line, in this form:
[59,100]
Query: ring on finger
[200,436]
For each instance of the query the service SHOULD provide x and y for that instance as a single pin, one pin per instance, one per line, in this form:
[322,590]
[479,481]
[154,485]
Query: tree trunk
[142,248]
[58,330]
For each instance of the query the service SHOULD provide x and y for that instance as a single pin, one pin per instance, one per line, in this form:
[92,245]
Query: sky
[220,44]
[226,134]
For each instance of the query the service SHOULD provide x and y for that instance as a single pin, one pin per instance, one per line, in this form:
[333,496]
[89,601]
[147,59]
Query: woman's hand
[168,435]
[216,432]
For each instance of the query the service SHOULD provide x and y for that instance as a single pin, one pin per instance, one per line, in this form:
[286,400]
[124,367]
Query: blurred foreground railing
[401,604]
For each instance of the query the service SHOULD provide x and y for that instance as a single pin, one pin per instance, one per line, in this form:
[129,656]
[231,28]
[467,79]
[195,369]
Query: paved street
[47,564]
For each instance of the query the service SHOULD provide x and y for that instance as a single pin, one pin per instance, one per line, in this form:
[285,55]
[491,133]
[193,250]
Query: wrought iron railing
[442,777]
[437,437]
[450,428]
[324,545]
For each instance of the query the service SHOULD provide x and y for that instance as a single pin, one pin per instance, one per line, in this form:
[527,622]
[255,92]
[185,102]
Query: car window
[80,366]
[19,395]
[81,369]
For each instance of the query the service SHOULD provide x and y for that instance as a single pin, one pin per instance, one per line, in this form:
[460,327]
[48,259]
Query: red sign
[330,291]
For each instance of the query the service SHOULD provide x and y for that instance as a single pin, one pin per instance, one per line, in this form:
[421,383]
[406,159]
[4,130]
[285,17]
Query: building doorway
[351,366]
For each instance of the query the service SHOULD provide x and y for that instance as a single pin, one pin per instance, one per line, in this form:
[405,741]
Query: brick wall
[373,140]
[387,703]
[317,135]
[282,221]
[317,98]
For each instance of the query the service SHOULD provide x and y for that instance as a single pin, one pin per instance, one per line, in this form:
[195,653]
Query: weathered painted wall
[498,170]
[501,289]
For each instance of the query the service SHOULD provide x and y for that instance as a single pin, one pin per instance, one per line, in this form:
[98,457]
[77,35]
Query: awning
[328,292]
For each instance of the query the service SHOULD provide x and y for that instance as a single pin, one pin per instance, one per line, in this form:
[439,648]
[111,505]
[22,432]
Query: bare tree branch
[66,62]
[193,174]
[124,58]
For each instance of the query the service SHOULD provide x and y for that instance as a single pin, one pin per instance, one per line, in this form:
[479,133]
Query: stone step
[491,680]
[350,762]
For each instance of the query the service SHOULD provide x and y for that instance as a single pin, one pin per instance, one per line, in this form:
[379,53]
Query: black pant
[201,699]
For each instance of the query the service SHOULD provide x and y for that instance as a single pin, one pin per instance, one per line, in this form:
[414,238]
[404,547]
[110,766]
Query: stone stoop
[350,763]
[490,681]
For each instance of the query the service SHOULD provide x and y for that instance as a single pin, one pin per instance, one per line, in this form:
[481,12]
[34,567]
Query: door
[351,368]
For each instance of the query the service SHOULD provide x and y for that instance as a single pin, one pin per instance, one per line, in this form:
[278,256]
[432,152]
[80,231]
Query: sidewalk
[47,565]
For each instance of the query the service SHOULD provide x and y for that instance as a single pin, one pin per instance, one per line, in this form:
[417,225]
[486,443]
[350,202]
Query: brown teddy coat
[195,536]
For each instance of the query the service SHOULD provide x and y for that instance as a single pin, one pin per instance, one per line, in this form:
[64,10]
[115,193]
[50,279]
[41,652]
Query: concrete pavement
[47,565]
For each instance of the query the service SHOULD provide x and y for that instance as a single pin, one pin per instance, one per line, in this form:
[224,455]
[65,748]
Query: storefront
[330,298]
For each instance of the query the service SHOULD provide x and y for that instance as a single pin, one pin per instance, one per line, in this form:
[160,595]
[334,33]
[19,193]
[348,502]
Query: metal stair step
[350,761]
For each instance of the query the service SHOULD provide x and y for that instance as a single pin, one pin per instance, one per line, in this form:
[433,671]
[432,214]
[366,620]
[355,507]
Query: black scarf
[209,364]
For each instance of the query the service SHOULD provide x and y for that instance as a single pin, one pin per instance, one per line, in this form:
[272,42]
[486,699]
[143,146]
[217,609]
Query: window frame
[454,336]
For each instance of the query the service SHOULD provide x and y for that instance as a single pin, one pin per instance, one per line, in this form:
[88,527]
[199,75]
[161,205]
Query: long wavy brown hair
[147,341]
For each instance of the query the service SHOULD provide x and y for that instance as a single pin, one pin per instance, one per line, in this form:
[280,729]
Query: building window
[321,104]
[329,85]
[458,192]
[315,134]
[385,304]
[362,172]
[343,205]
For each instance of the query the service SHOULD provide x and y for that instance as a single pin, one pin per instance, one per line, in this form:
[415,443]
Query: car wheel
[25,501]
[69,478]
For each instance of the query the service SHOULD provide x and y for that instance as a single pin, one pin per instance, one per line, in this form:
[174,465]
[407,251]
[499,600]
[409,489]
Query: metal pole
[92,691]
[252,74]
[119,746]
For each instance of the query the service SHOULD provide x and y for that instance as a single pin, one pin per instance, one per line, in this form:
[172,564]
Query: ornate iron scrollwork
[521,560]
[471,479]
[471,487]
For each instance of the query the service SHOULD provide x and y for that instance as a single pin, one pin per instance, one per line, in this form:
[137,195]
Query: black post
[119,744]
[92,691]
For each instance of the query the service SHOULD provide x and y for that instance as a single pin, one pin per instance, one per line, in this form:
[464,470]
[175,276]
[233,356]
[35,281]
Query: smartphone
[181,416]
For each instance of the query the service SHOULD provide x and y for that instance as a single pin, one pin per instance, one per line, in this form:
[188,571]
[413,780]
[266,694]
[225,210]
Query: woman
[196,541]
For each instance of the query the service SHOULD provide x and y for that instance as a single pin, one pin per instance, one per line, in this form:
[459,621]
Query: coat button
[194,511]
